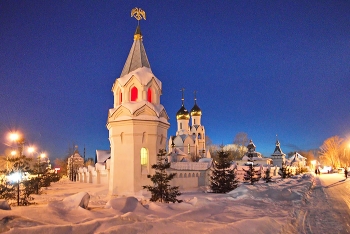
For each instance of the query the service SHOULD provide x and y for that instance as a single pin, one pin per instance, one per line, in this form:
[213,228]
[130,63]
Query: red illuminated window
[133,94]
[121,98]
[149,95]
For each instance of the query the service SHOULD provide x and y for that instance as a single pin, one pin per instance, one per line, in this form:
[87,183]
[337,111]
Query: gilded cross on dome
[183,98]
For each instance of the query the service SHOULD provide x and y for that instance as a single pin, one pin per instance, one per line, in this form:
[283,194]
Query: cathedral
[189,142]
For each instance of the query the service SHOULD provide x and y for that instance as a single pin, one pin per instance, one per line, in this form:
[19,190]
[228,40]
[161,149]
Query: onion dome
[196,111]
[182,113]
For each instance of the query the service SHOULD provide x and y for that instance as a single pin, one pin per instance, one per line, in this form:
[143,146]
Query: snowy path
[327,208]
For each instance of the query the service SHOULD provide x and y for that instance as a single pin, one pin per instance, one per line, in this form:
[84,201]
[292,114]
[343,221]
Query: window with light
[144,157]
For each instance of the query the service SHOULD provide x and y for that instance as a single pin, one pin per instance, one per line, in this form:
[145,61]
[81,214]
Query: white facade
[278,156]
[137,124]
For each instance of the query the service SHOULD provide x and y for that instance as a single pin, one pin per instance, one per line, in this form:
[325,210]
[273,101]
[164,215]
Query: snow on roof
[177,151]
[297,157]
[143,74]
[134,106]
[103,155]
[206,160]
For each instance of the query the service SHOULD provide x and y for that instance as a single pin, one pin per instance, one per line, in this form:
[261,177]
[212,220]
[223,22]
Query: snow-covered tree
[267,175]
[161,189]
[284,171]
[251,175]
[223,178]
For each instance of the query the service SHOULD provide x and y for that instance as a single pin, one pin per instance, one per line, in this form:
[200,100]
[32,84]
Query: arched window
[188,148]
[144,157]
[199,136]
[180,125]
[149,95]
[120,98]
[134,94]
[194,121]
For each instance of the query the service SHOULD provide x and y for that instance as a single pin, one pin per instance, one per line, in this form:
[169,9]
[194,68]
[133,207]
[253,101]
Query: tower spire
[137,56]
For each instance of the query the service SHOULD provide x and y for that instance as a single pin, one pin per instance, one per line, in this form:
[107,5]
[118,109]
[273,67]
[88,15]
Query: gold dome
[183,113]
[196,111]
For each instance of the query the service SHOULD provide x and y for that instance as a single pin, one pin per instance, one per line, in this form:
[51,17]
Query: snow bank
[72,202]
[259,208]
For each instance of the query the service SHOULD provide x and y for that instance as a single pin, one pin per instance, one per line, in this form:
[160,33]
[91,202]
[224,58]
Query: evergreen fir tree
[251,175]
[223,178]
[267,177]
[161,190]
[18,192]
[284,171]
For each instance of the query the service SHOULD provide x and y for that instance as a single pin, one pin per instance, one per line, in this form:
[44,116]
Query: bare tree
[331,151]
[241,140]
[208,141]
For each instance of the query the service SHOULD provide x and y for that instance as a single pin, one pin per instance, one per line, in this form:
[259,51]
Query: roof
[137,56]
[182,113]
[196,111]
[278,151]
[102,155]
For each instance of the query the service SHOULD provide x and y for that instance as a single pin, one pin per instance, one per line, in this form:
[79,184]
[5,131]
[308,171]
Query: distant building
[278,156]
[75,161]
[297,160]
[256,156]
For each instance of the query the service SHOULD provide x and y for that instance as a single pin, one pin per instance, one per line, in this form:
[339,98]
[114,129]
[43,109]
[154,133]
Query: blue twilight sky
[260,67]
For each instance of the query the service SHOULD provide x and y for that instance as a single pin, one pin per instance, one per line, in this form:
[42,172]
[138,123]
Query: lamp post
[15,137]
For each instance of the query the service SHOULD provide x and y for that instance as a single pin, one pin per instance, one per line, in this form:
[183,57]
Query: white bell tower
[137,123]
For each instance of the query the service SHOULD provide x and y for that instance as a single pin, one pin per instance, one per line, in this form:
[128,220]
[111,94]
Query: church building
[189,142]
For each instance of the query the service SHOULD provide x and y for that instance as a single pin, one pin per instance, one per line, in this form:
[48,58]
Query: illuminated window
[134,93]
[149,95]
[121,97]
[144,157]
[188,148]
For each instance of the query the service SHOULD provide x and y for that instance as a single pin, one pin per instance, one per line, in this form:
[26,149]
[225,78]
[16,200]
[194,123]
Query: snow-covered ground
[261,208]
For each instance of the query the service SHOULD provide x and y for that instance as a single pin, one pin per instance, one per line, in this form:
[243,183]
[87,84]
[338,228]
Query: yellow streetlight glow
[14,136]
[13,152]
[42,155]
[31,149]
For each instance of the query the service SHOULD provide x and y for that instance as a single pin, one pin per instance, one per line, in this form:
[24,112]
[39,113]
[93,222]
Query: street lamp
[15,137]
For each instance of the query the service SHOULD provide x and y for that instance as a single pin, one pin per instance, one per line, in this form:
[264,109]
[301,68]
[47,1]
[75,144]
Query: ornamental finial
[138,14]
[183,98]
